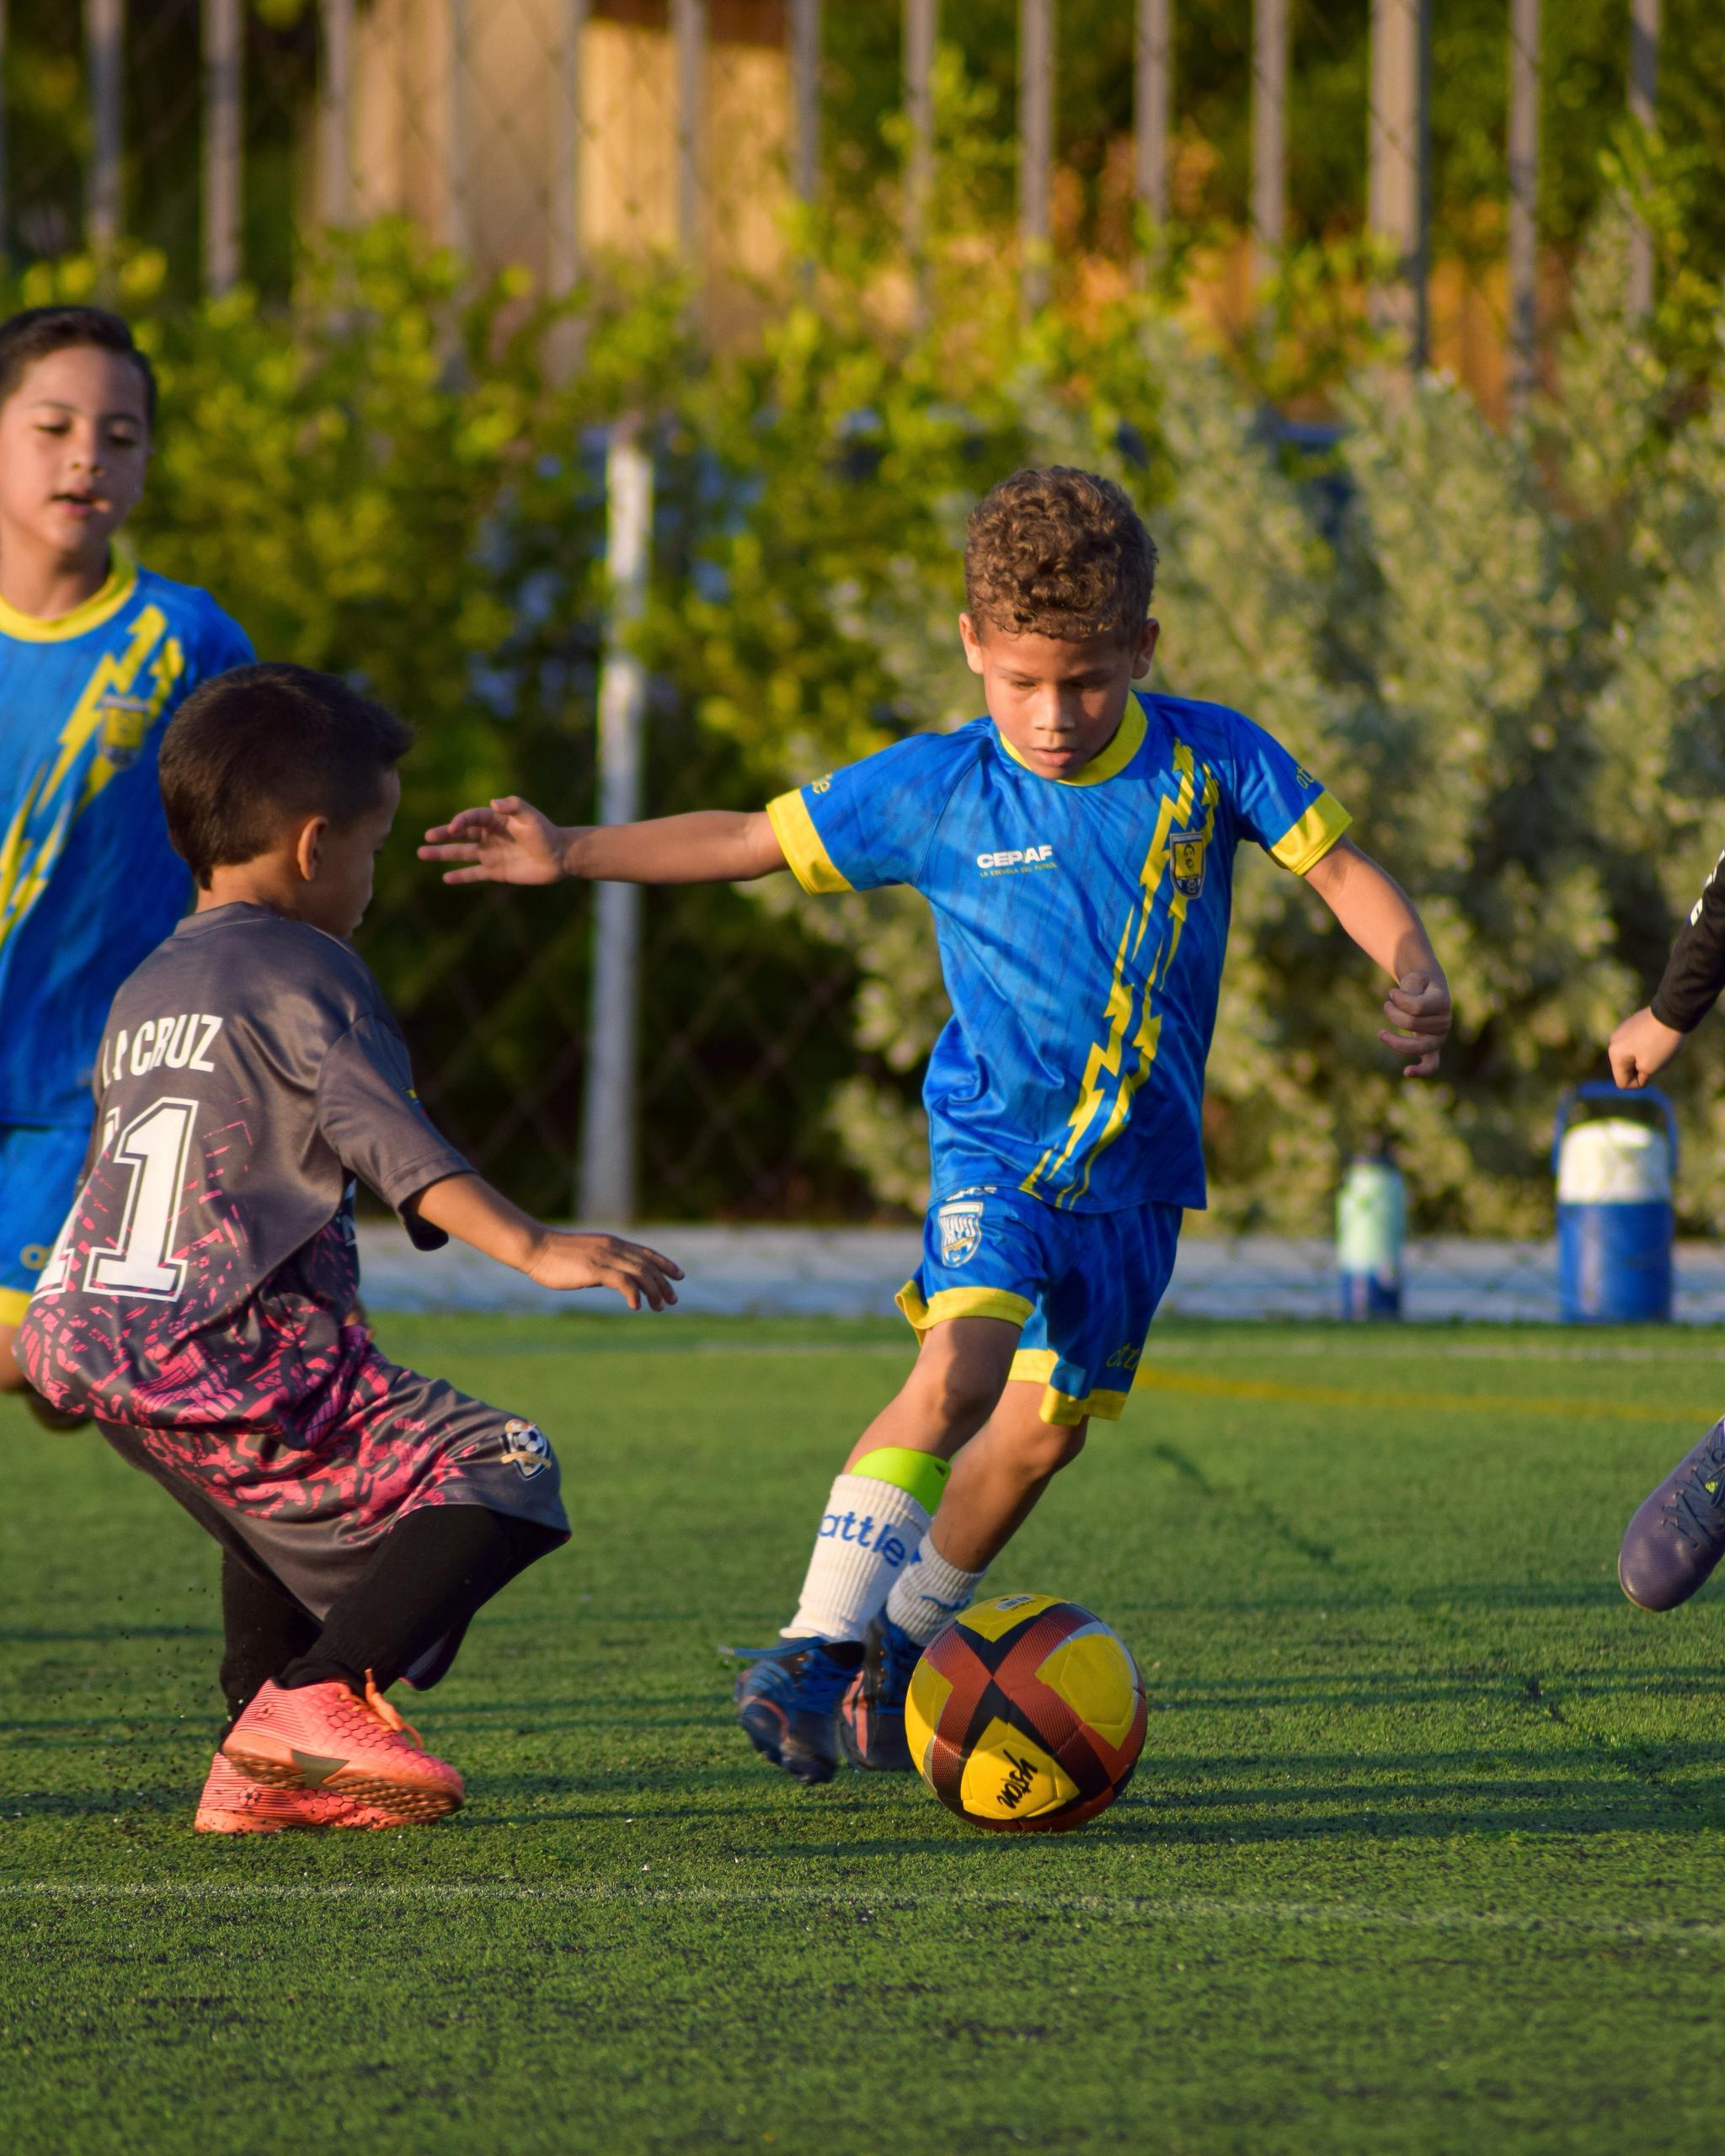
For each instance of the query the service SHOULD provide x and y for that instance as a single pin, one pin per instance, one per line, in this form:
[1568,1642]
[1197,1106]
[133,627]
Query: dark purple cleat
[1672,1544]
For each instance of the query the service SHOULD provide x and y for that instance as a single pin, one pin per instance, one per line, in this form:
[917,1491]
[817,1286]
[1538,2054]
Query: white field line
[1143,1908]
[1381,1345]
[1162,1348]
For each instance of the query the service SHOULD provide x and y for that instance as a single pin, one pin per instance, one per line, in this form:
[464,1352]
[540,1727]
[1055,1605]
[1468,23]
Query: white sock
[865,1540]
[930,1593]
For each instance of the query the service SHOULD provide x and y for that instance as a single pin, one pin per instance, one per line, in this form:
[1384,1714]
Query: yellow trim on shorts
[961,1302]
[1036,1366]
[13,1303]
[1305,845]
[803,850]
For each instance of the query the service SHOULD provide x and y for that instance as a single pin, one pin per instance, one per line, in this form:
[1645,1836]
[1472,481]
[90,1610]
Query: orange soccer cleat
[327,1737]
[230,1805]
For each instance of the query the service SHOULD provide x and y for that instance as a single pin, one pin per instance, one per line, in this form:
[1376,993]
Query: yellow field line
[1413,1399]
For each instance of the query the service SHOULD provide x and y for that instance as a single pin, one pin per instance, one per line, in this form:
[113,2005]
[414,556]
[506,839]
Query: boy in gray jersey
[200,1304]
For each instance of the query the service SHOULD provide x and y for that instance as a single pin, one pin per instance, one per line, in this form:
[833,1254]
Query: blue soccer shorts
[1084,1286]
[39,1173]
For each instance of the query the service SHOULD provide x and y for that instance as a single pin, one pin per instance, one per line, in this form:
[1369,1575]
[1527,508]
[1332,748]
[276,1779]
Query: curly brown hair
[1059,551]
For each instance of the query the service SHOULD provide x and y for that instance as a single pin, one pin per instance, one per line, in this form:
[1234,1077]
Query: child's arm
[1695,973]
[468,1207]
[1380,918]
[511,842]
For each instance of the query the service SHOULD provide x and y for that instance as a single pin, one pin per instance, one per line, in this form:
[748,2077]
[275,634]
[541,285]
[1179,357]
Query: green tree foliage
[388,480]
[1502,651]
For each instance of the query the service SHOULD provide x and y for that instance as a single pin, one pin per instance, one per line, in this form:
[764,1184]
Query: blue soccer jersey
[1082,926]
[88,884]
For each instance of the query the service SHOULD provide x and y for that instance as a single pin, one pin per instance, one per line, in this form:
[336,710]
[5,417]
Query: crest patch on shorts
[526,1447]
[960,1230]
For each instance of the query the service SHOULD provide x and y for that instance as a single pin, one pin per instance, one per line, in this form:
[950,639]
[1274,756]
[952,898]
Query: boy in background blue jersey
[1076,846]
[95,654]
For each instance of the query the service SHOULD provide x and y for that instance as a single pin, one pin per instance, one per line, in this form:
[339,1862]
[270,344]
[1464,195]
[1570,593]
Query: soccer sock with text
[929,1593]
[878,1513]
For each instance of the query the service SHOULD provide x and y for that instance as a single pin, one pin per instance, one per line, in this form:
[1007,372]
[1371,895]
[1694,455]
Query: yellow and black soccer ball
[1026,1714]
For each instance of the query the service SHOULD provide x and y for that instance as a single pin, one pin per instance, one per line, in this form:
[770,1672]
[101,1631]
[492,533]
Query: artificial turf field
[1425,1853]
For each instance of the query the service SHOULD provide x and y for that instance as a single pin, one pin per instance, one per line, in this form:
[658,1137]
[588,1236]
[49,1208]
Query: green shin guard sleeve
[919,1475]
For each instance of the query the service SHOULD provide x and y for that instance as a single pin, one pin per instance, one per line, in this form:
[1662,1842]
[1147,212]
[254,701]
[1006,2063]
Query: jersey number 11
[154,1145]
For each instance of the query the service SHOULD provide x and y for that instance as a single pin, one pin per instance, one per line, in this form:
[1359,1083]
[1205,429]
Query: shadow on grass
[1176,1801]
[1549,1688]
[1270,1522]
[101,1635]
[1494,1790]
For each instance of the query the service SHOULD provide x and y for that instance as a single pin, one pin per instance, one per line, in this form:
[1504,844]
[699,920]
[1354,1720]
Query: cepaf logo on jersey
[1015,860]
[960,1230]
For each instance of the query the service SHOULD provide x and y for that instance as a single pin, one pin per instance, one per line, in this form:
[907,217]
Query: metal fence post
[457,232]
[1269,135]
[1398,199]
[335,83]
[1644,93]
[1036,118]
[805,98]
[607,1165]
[562,242]
[1153,85]
[222,91]
[5,205]
[917,61]
[688,23]
[1524,189]
[103,28]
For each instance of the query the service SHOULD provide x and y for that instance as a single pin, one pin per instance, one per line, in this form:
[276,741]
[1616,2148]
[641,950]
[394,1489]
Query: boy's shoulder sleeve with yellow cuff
[1278,802]
[870,823]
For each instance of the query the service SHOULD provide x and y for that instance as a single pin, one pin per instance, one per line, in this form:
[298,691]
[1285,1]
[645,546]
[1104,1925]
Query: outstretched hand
[508,842]
[1641,1047]
[566,1260]
[1420,1017]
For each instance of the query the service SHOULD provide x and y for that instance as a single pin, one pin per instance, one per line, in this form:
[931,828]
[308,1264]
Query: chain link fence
[1320,195]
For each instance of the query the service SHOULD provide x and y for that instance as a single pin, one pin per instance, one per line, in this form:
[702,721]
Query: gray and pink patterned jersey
[207,1276]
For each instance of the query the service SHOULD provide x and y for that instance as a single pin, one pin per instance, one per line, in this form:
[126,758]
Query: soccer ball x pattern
[1026,1714]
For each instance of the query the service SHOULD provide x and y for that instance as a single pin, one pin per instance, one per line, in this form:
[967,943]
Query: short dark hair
[1061,552]
[26,337]
[253,748]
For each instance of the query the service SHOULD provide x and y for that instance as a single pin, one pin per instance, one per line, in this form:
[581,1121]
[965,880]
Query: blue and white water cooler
[1615,1221]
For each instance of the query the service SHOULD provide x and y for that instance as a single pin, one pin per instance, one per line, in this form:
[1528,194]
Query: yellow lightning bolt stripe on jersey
[1150,1028]
[52,804]
[1106,1055]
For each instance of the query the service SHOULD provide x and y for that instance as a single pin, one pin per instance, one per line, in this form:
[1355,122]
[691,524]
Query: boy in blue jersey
[1076,846]
[95,654]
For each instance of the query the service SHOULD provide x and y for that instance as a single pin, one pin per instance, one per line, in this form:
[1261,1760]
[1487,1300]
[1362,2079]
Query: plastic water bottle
[1371,1226]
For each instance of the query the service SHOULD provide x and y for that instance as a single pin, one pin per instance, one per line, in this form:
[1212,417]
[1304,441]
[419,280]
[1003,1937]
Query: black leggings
[406,1612]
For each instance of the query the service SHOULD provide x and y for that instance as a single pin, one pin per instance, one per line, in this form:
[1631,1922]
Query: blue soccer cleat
[1678,1536]
[872,1720]
[787,1701]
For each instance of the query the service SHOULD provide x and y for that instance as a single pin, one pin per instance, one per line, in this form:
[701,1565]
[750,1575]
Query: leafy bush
[1501,650]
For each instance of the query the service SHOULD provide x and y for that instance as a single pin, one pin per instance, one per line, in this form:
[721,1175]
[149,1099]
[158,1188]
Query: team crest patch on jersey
[125,720]
[960,1230]
[526,1448]
[1186,851]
